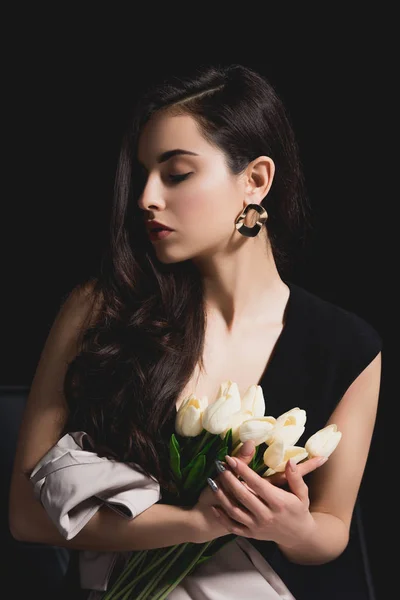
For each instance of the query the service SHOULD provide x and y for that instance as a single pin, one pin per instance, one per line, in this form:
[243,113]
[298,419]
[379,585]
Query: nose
[151,197]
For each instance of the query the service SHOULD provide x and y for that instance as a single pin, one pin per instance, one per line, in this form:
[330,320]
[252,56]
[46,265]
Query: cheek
[207,201]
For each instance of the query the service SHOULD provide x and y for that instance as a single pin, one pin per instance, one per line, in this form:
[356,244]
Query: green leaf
[228,441]
[221,453]
[196,472]
[189,466]
[175,458]
[208,451]
[216,440]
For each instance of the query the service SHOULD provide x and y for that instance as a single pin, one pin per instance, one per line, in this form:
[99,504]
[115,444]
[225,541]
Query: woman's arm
[309,524]
[41,428]
[333,488]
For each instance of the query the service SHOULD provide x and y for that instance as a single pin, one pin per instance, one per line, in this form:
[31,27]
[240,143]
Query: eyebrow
[164,156]
[170,153]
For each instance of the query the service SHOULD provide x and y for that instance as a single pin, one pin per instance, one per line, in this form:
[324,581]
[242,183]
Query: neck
[239,284]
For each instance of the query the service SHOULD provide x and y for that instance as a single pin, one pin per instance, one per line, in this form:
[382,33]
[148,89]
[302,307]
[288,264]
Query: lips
[157,234]
[155,226]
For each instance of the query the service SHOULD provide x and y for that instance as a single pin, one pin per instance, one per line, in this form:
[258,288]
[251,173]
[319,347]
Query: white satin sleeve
[72,484]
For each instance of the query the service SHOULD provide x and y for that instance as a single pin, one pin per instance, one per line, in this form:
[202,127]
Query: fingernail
[322,460]
[292,465]
[231,461]
[247,448]
[220,466]
[212,484]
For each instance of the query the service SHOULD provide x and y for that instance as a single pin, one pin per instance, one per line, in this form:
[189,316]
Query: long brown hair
[139,352]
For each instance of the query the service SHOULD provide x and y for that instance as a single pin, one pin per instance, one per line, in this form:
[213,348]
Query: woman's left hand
[256,508]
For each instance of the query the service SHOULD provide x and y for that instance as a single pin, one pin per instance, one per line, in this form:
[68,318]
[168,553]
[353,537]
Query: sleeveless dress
[321,350]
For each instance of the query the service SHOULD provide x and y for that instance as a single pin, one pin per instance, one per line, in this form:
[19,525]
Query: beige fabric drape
[72,483]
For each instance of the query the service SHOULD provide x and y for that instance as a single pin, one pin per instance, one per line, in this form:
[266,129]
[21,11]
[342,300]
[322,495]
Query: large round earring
[255,230]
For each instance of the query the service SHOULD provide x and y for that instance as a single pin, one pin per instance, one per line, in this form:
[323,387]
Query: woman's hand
[207,525]
[256,508]
[303,469]
[245,454]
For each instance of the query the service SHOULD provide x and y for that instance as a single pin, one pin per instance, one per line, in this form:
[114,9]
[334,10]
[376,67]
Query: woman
[192,292]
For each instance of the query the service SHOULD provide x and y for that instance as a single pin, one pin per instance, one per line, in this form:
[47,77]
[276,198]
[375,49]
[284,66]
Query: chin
[169,258]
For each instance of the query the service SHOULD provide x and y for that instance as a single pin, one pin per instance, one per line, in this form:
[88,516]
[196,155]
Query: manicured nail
[212,484]
[292,465]
[322,460]
[247,448]
[231,461]
[220,466]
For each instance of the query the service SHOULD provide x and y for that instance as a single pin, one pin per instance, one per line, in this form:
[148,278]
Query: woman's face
[189,189]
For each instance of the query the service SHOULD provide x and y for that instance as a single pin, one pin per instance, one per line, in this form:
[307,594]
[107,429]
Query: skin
[310,524]
[245,301]
[238,272]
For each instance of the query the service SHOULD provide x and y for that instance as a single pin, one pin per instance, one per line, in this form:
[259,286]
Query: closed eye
[179,178]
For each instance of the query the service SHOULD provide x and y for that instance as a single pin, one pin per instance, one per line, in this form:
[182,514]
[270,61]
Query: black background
[69,81]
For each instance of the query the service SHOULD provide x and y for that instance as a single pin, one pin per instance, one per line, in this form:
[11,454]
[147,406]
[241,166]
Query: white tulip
[252,406]
[257,430]
[277,455]
[294,416]
[323,442]
[189,418]
[253,401]
[224,388]
[218,415]
[236,421]
[289,427]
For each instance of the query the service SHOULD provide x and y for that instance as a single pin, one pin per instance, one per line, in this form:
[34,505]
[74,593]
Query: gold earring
[255,230]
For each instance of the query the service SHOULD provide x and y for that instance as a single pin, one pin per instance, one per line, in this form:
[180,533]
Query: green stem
[261,469]
[131,564]
[154,582]
[234,447]
[202,442]
[153,564]
[164,592]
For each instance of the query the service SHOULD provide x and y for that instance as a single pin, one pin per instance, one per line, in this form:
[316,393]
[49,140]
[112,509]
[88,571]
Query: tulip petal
[184,403]
[269,472]
[188,420]
[192,423]
[294,416]
[331,444]
[274,454]
[218,415]
[296,453]
[256,430]
[324,441]
[290,434]
[236,421]
[253,400]
[248,398]
[204,403]
[259,403]
[224,388]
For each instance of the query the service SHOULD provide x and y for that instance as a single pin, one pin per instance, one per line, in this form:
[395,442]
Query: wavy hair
[146,334]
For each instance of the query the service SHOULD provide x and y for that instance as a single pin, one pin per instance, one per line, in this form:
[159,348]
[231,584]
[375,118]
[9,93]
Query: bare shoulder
[46,408]
[81,306]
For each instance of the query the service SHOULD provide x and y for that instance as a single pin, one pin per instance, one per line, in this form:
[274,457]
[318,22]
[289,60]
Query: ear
[259,176]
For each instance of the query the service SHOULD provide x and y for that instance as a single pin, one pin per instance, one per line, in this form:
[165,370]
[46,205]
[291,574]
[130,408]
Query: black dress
[320,352]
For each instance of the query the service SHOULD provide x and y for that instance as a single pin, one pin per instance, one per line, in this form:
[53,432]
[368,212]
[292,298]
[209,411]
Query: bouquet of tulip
[205,432]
